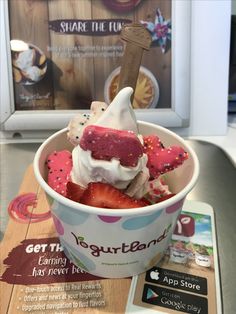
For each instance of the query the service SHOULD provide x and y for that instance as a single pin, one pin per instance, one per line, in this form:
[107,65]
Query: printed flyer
[36,276]
[187,278]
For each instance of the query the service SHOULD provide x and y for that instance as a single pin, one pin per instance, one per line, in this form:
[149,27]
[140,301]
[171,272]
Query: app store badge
[174,300]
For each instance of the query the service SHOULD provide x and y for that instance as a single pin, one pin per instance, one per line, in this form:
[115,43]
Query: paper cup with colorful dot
[117,242]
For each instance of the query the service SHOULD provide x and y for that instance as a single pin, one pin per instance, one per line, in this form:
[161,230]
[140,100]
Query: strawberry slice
[165,197]
[146,201]
[104,195]
[74,191]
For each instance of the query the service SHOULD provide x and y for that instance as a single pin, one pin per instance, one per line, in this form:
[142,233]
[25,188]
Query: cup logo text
[134,246]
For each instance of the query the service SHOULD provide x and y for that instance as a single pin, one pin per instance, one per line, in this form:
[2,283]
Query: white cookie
[80,121]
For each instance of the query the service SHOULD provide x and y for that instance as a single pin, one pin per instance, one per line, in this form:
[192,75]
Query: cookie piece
[59,165]
[107,143]
[161,159]
[80,121]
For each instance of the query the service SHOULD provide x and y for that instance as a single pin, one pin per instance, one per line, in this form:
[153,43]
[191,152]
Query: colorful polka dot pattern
[141,221]
[58,225]
[109,219]
[79,217]
[69,216]
[173,208]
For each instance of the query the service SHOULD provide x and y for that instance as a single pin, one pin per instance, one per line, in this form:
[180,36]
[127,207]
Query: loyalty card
[187,278]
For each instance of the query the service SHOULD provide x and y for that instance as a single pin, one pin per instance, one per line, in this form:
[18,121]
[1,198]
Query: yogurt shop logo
[97,250]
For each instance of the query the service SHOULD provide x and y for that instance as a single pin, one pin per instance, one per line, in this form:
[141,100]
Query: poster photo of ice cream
[192,243]
[66,53]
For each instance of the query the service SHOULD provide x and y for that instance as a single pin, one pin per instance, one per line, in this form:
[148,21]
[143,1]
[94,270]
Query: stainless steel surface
[216,186]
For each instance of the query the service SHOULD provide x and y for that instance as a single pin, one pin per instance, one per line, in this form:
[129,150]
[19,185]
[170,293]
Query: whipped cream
[87,169]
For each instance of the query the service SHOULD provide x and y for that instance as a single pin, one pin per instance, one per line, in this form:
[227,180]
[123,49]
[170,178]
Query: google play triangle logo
[151,294]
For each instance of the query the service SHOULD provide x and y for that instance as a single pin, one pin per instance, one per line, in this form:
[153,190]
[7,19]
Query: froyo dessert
[202,257]
[146,91]
[111,164]
[29,65]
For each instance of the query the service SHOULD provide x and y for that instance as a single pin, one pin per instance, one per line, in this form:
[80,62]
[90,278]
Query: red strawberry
[107,143]
[74,191]
[59,168]
[165,197]
[146,201]
[104,195]
[161,159]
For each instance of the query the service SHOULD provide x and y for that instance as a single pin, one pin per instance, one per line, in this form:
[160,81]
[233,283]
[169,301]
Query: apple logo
[154,274]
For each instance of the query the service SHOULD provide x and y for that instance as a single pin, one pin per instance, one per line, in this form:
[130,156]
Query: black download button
[177,280]
[174,300]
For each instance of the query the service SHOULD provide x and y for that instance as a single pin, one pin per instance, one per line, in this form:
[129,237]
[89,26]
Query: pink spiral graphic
[18,209]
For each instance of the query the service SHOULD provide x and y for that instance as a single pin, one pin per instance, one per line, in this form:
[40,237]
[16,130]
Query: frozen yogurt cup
[179,256]
[116,243]
[202,260]
[202,257]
